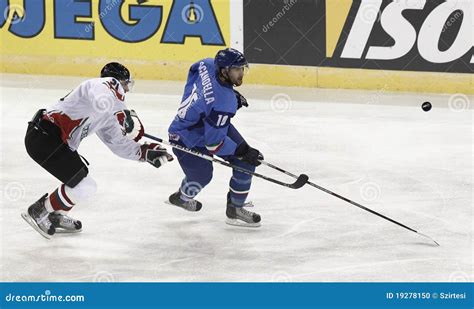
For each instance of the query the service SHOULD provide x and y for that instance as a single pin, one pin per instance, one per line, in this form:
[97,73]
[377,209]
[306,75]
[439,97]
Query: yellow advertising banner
[77,37]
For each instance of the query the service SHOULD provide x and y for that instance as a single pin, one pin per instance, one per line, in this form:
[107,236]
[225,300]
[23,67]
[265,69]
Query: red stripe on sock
[54,200]
[63,192]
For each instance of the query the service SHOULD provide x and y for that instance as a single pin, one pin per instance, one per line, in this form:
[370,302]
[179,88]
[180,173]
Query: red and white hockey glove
[155,154]
[131,125]
[138,129]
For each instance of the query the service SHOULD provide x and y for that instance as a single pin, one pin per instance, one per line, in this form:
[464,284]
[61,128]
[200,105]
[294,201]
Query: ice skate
[65,224]
[38,217]
[239,216]
[190,205]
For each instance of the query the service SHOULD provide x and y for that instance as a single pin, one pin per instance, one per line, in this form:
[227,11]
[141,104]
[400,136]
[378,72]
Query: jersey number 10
[221,120]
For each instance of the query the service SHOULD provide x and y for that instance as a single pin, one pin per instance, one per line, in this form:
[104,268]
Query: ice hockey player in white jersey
[54,135]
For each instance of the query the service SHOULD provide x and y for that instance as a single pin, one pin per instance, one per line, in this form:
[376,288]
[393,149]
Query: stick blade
[428,237]
[300,181]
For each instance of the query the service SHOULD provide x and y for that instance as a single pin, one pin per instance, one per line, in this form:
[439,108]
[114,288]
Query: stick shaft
[212,159]
[349,201]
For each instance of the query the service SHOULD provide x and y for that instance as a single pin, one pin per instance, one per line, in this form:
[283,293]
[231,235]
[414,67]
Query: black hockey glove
[155,154]
[248,154]
[241,100]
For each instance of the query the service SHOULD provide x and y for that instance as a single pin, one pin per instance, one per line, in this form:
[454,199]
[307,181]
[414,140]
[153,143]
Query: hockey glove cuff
[241,100]
[155,154]
[248,154]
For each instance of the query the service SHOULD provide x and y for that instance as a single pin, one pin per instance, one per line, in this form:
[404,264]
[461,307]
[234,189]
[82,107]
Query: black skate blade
[60,230]
[169,203]
[301,181]
[32,222]
[240,223]
[184,208]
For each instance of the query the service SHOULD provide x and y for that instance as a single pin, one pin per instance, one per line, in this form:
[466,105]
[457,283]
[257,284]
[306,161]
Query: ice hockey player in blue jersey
[203,123]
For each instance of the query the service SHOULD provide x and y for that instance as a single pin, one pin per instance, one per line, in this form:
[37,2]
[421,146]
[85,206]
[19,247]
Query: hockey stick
[301,180]
[349,201]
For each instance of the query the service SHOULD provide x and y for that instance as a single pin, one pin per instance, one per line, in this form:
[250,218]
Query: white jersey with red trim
[95,106]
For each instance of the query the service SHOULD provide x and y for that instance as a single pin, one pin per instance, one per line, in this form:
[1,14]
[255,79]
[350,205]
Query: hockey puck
[426,106]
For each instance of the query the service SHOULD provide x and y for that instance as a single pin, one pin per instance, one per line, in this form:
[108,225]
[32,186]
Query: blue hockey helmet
[230,57]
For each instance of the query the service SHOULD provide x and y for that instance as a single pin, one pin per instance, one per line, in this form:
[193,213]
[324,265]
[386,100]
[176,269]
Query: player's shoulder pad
[209,62]
[225,100]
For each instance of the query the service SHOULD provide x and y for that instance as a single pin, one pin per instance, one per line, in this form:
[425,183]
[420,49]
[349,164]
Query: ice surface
[374,147]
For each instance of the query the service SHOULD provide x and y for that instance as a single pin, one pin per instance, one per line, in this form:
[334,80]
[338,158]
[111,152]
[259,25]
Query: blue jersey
[203,117]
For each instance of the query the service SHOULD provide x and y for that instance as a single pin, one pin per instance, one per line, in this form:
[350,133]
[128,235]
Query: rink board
[278,75]
[77,38]
[324,44]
